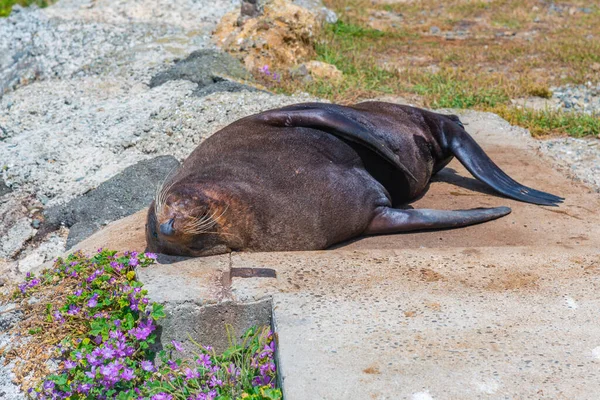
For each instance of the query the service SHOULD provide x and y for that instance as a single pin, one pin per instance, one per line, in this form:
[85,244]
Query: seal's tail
[391,220]
[483,168]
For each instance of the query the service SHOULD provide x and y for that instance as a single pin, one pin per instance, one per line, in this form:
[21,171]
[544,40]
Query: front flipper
[483,168]
[391,220]
[336,124]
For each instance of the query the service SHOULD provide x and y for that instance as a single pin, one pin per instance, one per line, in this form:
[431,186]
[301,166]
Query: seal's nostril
[167,227]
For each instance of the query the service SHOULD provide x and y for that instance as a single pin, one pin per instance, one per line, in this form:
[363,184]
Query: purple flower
[142,331]
[162,396]
[127,374]
[261,380]
[84,388]
[214,382]
[177,345]
[265,70]
[152,256]
[93,360]
[48,385]
[93,301]
[173,365]
[129,351]
[34,282]
[191,374]
[204,360]
[58,317]
[107,353]
[70,364]
[73,309]
[116,335]
[134,262]
[111,370]
[92,372]
[147,366]
[117,323]
[78,292]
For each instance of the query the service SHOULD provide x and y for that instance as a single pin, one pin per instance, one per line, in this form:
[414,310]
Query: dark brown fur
[280,181]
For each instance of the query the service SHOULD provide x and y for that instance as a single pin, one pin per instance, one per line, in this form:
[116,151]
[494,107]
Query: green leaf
[157,311]
[129,321]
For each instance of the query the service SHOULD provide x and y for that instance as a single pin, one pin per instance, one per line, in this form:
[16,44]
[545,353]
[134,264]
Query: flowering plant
[106,326]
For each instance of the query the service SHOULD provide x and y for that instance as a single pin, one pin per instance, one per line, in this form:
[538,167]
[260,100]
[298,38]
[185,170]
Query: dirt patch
[373,370]
[513,281]
[429,275]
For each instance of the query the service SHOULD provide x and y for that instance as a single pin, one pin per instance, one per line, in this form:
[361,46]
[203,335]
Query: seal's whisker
[204,225]
[198,225]
[162,190]
[163,196]
[197,228]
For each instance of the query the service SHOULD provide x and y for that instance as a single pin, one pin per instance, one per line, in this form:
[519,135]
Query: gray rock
[8,390]
[16,237]
[203,67]
[3,133]
[434,30]
[4,189]
[252,8]
[317,7]
[223,86]
[120,196]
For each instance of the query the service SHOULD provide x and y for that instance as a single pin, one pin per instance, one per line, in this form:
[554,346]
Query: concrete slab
[196,298]
[456,323]
[126,234]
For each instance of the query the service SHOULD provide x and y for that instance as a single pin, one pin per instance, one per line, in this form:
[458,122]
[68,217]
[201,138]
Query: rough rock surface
[120,196]
[280,38]
[204,67]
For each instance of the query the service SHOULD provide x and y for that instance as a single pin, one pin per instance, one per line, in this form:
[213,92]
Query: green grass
[349,31]
[545,122]
[6,5]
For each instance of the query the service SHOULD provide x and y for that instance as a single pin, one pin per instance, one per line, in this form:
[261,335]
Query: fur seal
[307,176]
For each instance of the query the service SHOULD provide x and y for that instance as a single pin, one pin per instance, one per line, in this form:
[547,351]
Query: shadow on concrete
[449,175]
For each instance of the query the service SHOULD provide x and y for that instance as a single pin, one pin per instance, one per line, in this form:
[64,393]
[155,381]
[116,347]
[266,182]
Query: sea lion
[307,176]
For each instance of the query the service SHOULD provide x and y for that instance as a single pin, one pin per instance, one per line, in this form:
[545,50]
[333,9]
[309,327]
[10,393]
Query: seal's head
[188,220]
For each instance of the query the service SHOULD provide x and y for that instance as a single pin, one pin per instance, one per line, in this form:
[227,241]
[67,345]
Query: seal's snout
[167,227]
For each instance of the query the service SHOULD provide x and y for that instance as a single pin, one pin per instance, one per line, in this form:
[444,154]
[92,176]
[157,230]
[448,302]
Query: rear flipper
[483,168]
[391,220]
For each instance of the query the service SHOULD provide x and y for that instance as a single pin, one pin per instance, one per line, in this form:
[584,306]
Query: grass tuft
[548,122]
[7,5]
